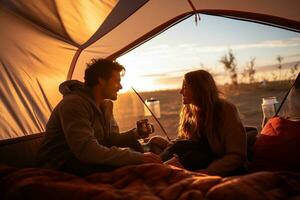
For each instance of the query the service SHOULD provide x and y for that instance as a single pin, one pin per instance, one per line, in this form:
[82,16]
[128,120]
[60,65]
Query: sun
[137,75]
[138,82]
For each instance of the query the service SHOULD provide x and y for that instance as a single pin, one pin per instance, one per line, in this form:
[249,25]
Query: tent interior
[59,37]
[44,43]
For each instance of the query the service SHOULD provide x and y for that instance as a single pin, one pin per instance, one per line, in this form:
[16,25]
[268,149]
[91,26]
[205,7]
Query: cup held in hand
[144,128]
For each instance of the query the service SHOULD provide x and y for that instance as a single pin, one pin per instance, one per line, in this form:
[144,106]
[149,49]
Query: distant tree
[294,70]
[264,82]
[230,66]
[244,75]
[279,59]
[249,71]
[274,76]
[202,66]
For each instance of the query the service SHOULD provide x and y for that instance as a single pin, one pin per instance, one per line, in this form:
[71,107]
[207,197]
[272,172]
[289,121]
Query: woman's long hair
[201,116]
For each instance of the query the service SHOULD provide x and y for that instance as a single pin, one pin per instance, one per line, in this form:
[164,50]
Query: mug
[144,128]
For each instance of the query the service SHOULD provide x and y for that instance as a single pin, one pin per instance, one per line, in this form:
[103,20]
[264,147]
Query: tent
[46,42]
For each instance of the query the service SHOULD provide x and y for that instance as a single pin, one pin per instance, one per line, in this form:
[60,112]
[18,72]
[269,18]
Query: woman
[213,139]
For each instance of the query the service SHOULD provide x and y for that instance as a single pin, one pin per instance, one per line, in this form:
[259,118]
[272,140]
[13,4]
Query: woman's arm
[234,141]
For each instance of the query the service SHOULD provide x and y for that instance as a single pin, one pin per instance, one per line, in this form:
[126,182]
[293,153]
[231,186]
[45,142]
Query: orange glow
[138,82]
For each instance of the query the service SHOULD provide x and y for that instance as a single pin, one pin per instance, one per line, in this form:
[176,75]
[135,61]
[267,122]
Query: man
[82,136]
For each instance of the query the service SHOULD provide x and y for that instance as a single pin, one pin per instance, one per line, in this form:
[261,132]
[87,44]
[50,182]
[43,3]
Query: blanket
[147,181]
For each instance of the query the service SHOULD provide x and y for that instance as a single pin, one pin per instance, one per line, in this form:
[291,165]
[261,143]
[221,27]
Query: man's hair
[100,68]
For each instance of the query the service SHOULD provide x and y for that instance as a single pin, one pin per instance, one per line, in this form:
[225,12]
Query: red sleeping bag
[277,147]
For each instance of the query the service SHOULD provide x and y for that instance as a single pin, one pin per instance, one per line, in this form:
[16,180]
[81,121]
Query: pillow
[277,147]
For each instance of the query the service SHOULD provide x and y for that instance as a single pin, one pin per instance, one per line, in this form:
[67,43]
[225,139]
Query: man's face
[112,86]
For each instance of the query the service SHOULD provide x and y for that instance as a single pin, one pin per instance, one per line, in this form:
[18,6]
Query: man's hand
[144,128]
[140,135]
[149,157]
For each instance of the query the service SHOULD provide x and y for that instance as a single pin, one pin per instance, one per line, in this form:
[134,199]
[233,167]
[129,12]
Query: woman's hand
[149,157]
[175,161]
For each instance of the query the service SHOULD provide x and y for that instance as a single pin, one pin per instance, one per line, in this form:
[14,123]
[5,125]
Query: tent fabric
[30,67]
[290,108]
[38,42]
[45,42]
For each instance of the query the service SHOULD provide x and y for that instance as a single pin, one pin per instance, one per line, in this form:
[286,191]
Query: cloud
[178,74]
[167,63]
[291,42]
[169,73]
[293,56]
[165,50]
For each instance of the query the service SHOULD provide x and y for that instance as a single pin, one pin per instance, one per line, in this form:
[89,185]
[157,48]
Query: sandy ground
[247,98]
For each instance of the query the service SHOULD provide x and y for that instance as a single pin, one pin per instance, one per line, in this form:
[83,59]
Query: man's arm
[126,139]
[75,116]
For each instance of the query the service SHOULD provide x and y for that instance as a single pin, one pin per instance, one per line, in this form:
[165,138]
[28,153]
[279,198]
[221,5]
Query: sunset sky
[161,62]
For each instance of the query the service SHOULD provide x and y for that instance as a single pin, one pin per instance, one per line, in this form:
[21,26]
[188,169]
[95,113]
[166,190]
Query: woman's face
[186,92]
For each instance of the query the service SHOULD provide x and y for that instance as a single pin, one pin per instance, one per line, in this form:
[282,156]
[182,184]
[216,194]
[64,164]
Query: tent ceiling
[167,12]
[44,41]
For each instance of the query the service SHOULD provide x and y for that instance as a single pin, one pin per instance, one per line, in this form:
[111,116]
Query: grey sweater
[78,129]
